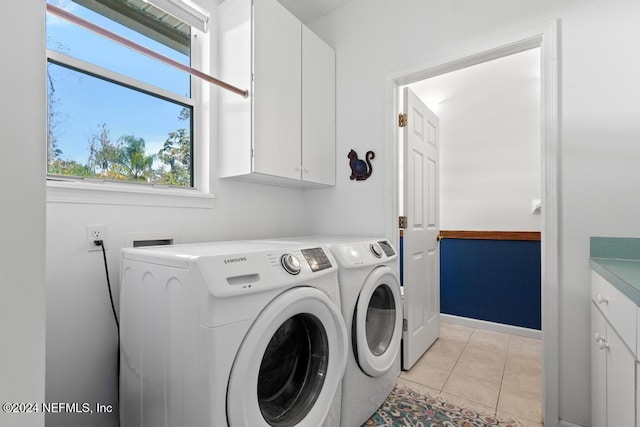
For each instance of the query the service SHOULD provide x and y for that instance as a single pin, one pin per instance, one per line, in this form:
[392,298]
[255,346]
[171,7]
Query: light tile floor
[488,371]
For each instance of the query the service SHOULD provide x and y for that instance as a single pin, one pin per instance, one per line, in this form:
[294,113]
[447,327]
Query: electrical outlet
[95,232]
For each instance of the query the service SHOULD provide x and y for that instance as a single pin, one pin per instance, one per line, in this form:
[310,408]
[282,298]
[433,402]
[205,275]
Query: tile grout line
[457,360]
[504,369]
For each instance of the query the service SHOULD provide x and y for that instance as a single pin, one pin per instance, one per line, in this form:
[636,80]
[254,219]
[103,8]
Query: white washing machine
[371,301]
[230,334]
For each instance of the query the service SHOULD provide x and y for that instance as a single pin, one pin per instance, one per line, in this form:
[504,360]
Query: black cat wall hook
[360,170]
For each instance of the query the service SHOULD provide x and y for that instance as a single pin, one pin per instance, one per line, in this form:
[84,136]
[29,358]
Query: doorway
[547,39]
[489,189]
[488,139]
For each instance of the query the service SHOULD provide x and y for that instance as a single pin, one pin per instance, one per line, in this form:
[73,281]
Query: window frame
[69,189]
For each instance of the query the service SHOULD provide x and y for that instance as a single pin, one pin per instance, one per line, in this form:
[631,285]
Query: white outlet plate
[536,206]
[96,232]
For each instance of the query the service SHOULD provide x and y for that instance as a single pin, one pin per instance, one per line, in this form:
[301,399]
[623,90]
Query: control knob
[375,250]
[290,263]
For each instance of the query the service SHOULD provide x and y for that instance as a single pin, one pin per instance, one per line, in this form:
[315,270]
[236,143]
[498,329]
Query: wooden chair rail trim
[490,235]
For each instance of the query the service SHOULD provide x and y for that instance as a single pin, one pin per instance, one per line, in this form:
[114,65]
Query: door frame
[546,37]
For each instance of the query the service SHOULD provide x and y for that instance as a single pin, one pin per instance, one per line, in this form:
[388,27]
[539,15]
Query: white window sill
[109,193]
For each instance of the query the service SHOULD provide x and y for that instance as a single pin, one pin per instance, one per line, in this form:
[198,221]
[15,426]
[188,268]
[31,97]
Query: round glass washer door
[377,321]
[290,363]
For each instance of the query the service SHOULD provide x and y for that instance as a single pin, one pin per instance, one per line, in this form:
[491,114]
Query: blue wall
[493,280]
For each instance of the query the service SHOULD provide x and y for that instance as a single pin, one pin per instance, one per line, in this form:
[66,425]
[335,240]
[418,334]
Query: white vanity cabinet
[637,397]
[613,355]
[637,366]
[284,132]
[598,368]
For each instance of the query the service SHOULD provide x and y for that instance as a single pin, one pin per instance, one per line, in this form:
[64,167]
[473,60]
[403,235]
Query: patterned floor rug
[405,407]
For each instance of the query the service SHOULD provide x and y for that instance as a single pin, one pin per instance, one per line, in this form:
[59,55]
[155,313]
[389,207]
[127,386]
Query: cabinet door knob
[603,300]
[603,345]
[600,338]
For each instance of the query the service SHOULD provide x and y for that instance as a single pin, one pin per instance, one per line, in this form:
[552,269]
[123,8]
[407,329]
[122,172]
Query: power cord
[106,272]
[115,316]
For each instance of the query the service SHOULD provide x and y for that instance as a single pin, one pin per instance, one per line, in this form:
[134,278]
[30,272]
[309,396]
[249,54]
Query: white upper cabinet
[284,133]
[277,90]
[318,110]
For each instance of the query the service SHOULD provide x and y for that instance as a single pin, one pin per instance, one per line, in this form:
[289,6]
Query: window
[113,113]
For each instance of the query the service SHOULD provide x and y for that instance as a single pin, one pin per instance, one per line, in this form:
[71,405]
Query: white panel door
[277,90]
[318,110]
[421,261]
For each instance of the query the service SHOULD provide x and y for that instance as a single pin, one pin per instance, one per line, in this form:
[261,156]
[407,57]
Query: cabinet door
[637,395]
[621,377]
[318,110]
[598,368]
[234,66]
[277,68]
[619,310]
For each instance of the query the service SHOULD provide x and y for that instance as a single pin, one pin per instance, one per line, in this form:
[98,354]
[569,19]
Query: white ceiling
[309,10]
[439,89]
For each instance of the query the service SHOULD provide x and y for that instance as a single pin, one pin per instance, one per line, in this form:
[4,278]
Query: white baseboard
[563,423]
[491,326]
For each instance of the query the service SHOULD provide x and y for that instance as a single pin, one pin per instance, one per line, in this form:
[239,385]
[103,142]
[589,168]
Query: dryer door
[290,364]
[377,322]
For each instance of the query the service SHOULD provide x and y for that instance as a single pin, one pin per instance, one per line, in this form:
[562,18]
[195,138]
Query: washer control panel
[290,263]
[387,248]
[317,259]
[375,250]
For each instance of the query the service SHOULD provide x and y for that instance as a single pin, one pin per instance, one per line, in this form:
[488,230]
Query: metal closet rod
[55,10]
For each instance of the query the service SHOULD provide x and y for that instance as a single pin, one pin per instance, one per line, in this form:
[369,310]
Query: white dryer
[371,300]
[230,334]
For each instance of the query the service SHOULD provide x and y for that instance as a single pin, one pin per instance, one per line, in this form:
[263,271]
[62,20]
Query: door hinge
[402,120]
[402,222]
[404,325]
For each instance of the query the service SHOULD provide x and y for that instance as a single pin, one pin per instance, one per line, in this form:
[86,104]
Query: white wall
[489,143]
[22,212]
[599,149]
[599,180]
[81,337]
